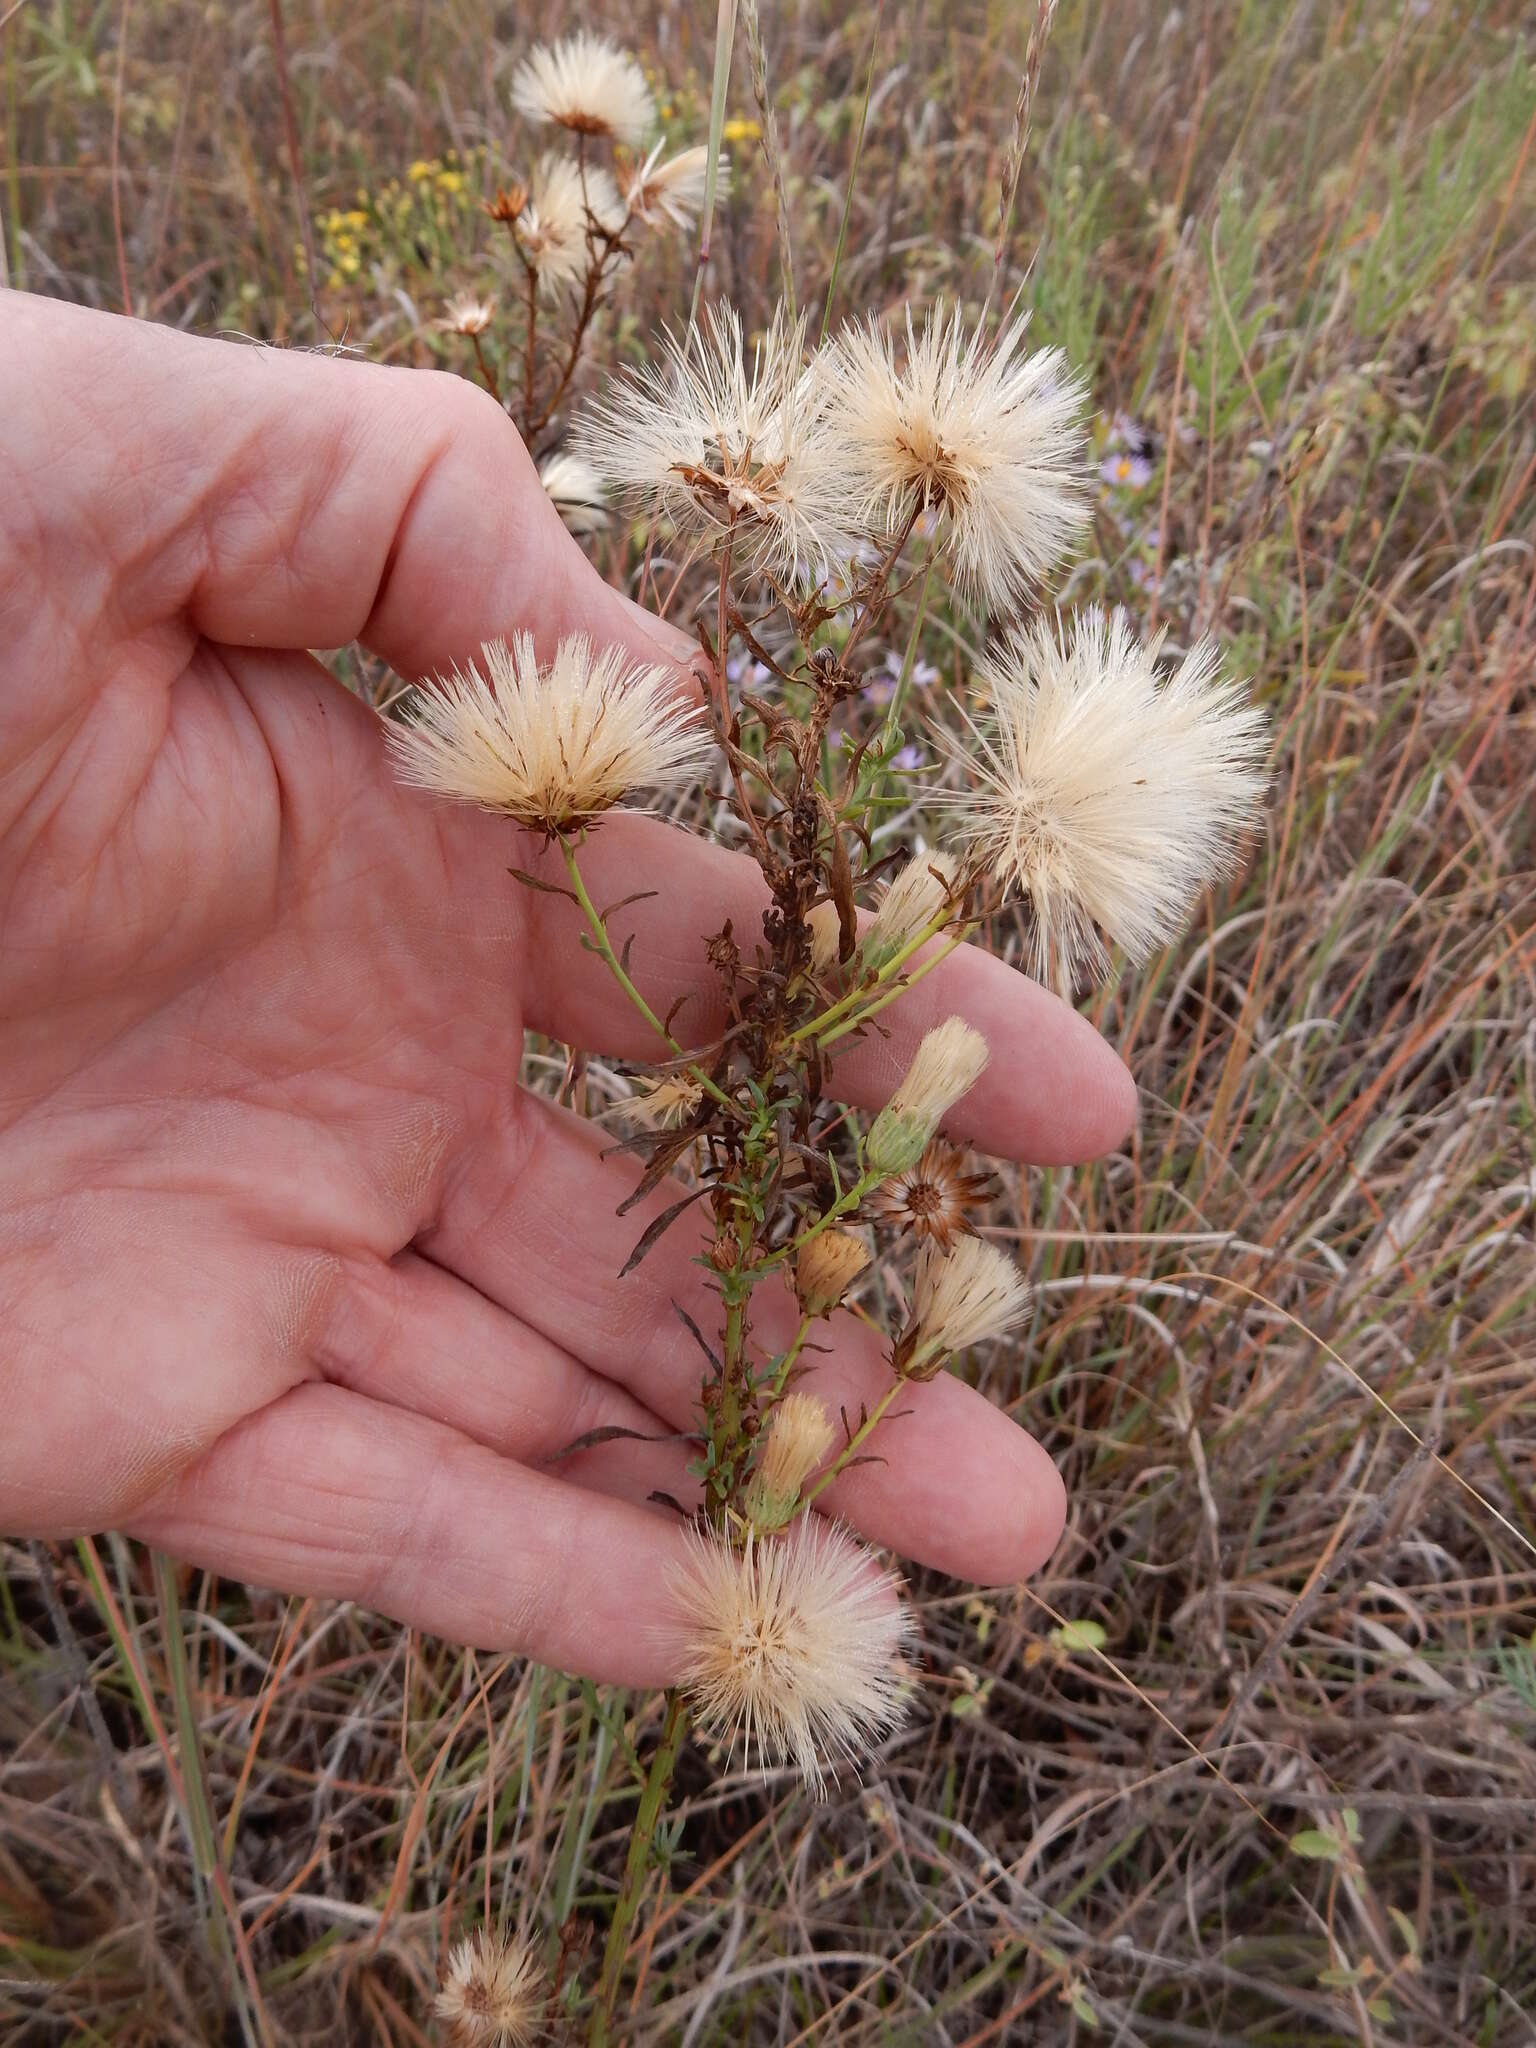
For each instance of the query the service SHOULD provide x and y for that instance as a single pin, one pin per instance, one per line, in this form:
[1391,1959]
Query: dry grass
[1252,1760]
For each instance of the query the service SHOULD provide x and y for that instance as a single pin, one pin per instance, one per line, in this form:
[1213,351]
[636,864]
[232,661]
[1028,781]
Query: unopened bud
[826,1268]
[800,1434]
[947,1064]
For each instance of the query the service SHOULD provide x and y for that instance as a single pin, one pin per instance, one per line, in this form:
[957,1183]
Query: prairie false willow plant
[819,492]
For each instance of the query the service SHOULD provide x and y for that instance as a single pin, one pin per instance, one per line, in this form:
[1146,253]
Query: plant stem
[787,1362]
[861,1435]
[658,1783]
[604,946]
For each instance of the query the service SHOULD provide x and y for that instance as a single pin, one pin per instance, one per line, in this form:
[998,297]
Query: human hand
[298,1282]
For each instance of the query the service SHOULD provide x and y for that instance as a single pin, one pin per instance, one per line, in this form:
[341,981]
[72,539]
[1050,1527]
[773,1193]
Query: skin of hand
[297,1281]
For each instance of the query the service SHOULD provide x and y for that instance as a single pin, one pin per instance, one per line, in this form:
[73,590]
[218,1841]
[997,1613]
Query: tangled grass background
[1253,1758]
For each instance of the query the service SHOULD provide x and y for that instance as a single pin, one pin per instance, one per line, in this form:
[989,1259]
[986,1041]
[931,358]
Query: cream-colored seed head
[673,192]
[567,206]
[989,439]
[575,490]
[724,443]
[825,1269]
[1108,794]
[791,1644]
[826,930]
[960,1297]
[553,748]
[800,1434]
[919,894]
[663,1104]
[948,1063]
[492,1995]
[586,84]
[467,314]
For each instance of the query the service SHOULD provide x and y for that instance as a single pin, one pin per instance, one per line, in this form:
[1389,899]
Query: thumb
[284,500]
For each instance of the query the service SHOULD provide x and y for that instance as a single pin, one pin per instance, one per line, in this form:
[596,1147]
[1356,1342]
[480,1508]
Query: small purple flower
[1128,472]
[910,757]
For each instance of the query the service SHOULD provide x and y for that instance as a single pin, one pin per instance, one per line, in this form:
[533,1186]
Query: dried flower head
[947,1064]
[934,1199]
[826,933]
[923,890]
[959,1297]
[492,1996]
[987,437]
[800,1434]
[724,446]
[664,1103]
[586,84]
[554,747]
[466,313]
[568,205]
[575,490]
[673,191]
[791,1644]
[1107,793]
[826,1267]
[507,202]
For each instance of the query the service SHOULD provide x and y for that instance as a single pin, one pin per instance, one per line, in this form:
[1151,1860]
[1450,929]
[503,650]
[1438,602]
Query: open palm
[297,1282]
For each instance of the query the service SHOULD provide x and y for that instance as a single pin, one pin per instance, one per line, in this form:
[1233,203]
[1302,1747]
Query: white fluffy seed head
[492,1995]
[586,84]
[791,1644]
[567,206]
[575,490]
[1106,793]
[947,1064]
[673,192]
[921,892]
[720,440]
[959,1297]
[468,314]
[555,747]
[986,437]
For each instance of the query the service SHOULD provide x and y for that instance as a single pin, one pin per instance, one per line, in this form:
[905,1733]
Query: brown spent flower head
[959,1298]
[825,1269]
[507,202]
[922,892]
[586,84]
[933,1200]
[947,1064]
[554,747]
[800,1434]
[467,314]
[791,1644]
[492,1995]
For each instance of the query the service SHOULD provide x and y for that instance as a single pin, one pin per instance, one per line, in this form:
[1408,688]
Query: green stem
[850,1198]
[787,1362]
[637,1864]
[604,946]
[816,1027]
[909,982]
[860,1436]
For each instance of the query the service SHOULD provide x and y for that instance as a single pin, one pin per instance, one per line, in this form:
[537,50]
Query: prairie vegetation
[1252,1759]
